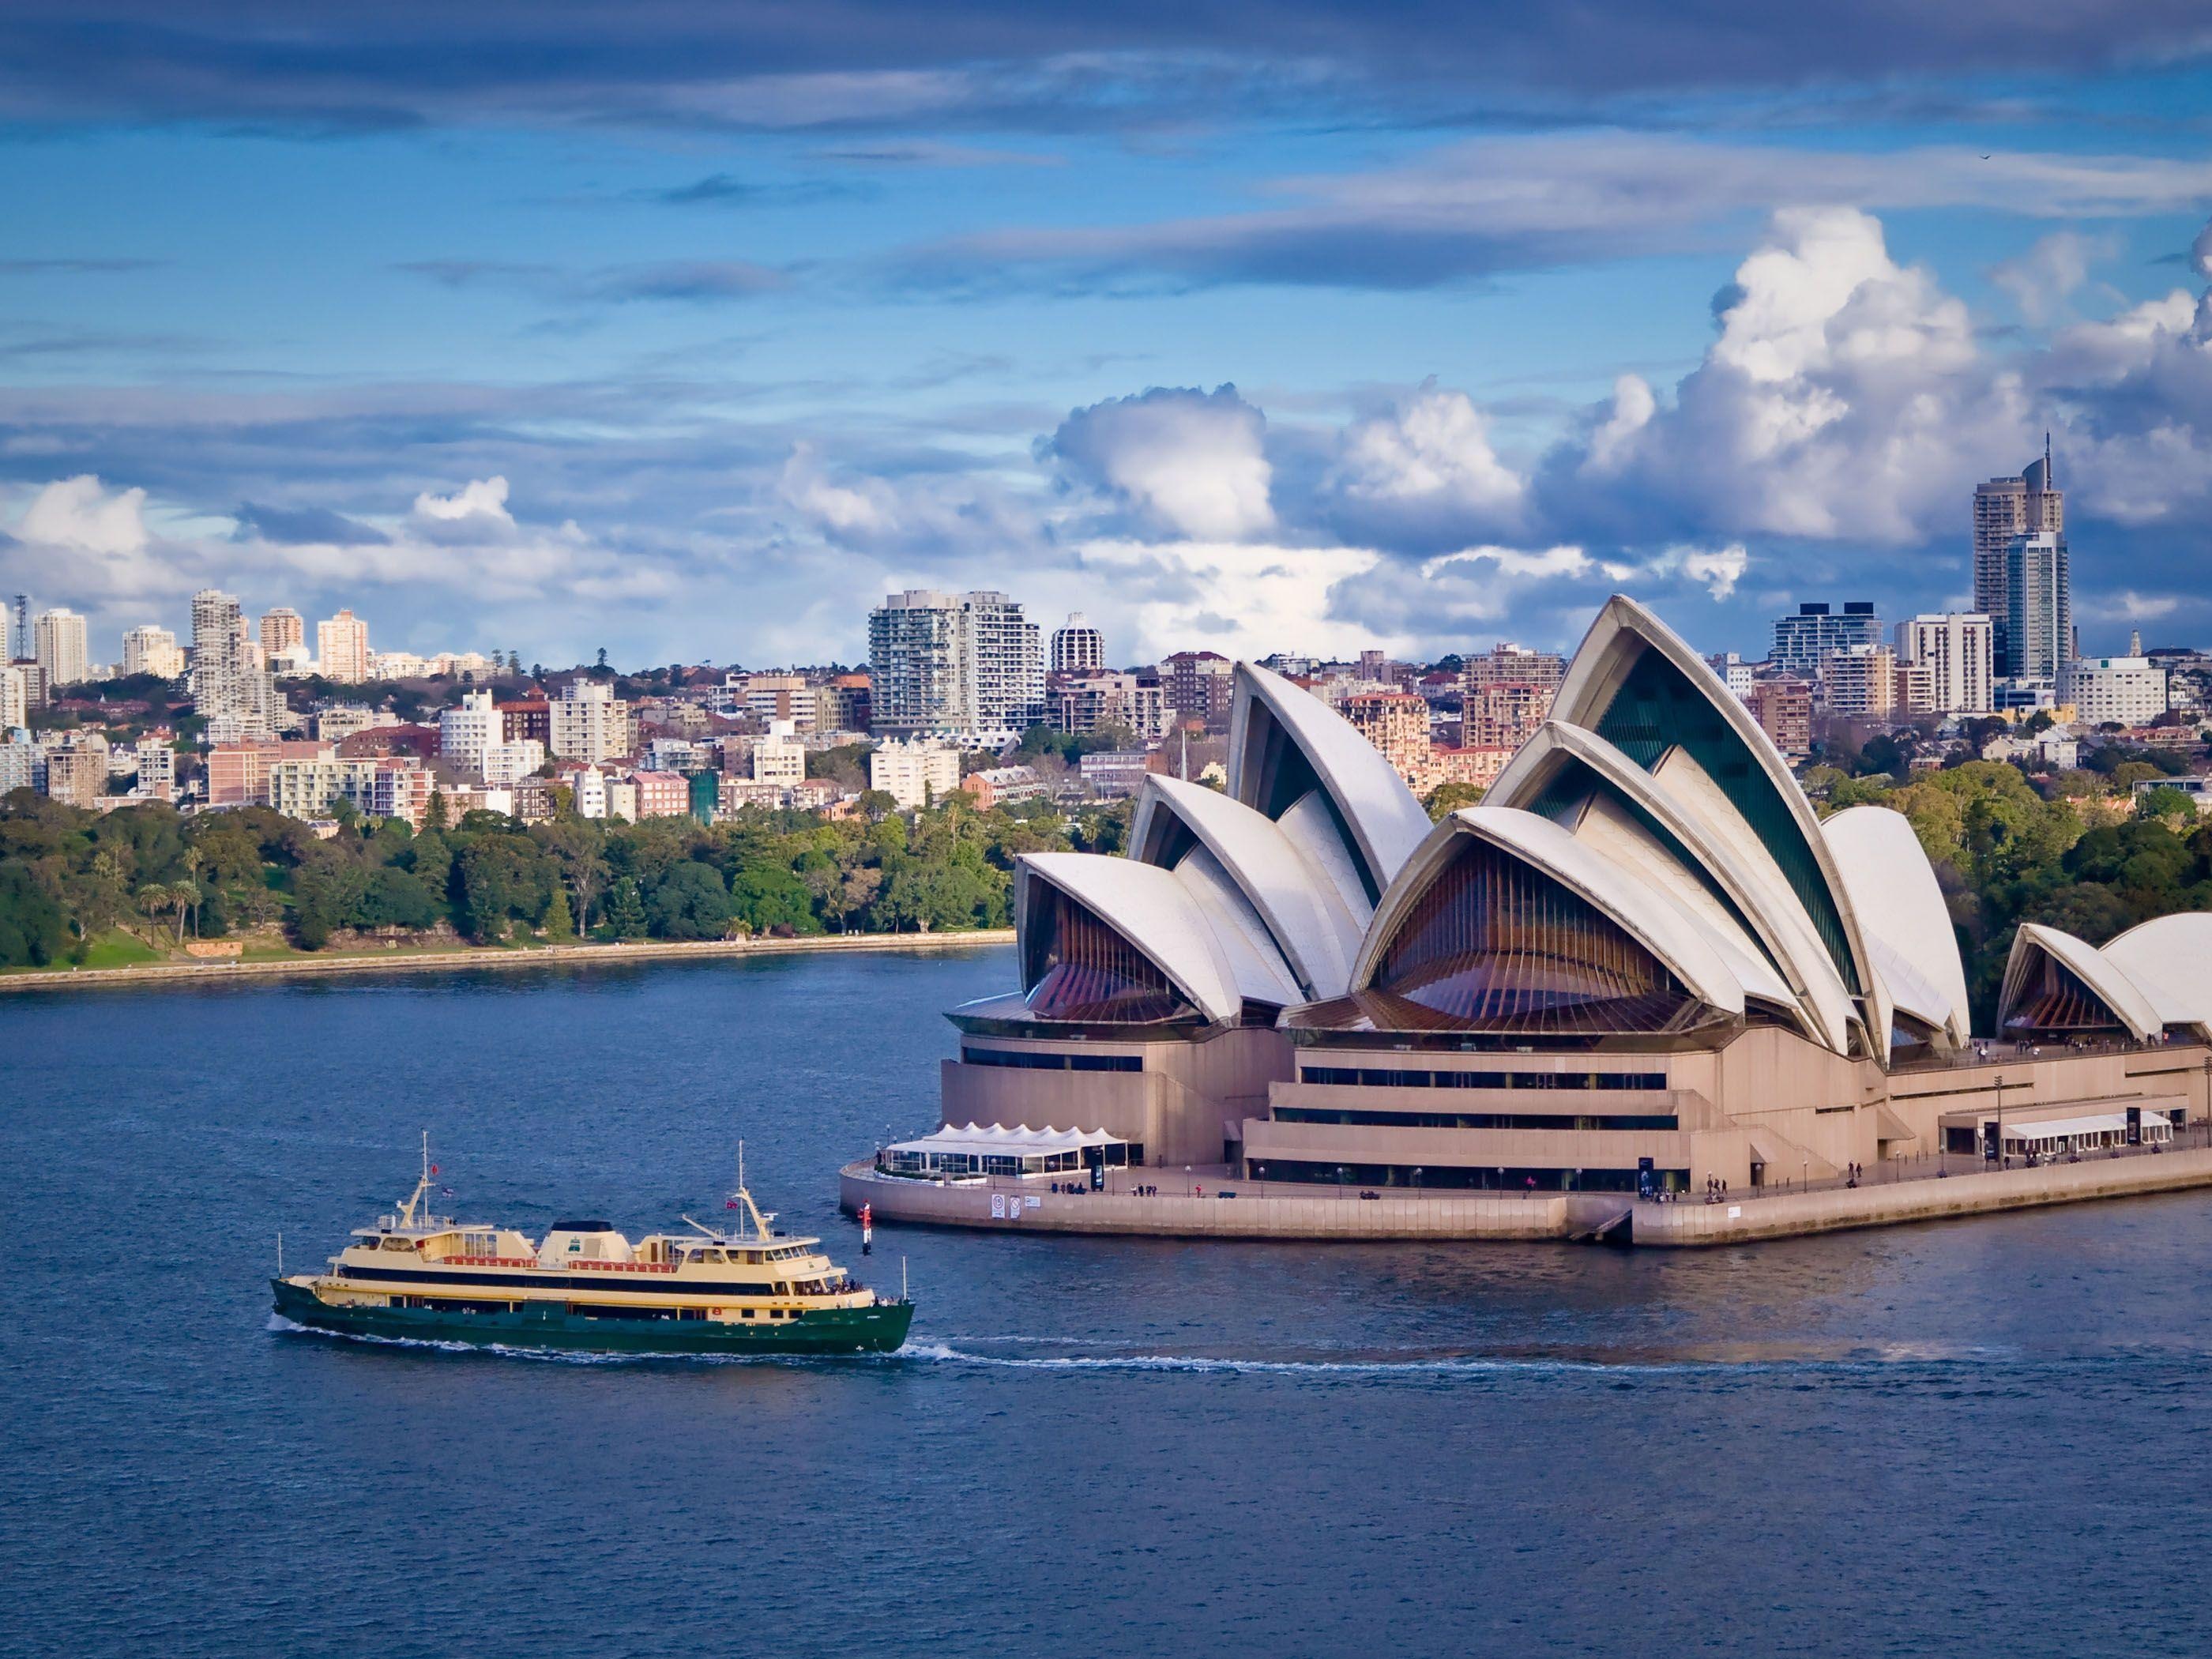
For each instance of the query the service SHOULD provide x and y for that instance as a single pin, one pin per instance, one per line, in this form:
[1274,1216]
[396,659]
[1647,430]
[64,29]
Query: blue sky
[686,332]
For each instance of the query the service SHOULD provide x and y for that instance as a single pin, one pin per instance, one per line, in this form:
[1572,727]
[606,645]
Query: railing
[1935,1166]
[2014,1053]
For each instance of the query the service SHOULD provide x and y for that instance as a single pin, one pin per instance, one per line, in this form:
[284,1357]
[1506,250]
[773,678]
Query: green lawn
[117,948]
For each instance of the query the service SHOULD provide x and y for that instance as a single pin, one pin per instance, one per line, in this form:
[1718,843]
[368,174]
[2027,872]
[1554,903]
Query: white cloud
[1426,469]
[479,499]
[1845,396]
[1187,463]
[2048,274]
[1241,598]
[80,513]
[866,509]
[1718,568]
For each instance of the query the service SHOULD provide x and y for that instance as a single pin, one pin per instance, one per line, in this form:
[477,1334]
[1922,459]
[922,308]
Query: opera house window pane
[1497,946]
[2056,1001]
[1082,969]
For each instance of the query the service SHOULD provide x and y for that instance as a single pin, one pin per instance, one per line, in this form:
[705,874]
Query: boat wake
[277,1324]
[1941,1365]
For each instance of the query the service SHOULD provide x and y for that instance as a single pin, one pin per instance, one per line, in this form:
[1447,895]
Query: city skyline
[1309,346]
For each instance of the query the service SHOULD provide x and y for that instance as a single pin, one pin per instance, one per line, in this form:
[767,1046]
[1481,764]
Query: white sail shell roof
[1895,894]
[1305,915]
[2170,960]
[1622,633]
[1385,822]
[1715,837]
[1158,914]
[1686,949]
[2111,984]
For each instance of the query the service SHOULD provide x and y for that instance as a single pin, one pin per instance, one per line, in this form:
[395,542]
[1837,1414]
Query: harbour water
[1992,1436]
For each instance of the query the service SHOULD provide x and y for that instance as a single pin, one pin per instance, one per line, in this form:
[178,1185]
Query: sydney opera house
[1642,961]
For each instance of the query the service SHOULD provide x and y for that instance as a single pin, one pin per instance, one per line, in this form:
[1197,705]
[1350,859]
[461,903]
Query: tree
[34,929]
[765,897]
[625,910]
[1447,798]
[153,898]
[500,877]
[2165,802]
[399,898]
[559,924]
[690,903]
[434,812]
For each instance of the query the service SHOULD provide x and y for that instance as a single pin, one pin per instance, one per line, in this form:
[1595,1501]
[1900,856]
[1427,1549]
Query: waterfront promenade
[1211,1202]
[472,956]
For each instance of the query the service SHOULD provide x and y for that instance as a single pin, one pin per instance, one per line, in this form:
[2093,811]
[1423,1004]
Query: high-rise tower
[2028,505]
[1078,649]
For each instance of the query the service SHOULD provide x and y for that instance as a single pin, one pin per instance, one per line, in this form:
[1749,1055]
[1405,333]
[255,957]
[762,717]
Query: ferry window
[710,1255]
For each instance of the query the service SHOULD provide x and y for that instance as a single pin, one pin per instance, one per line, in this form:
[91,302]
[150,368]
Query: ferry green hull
[822,1331]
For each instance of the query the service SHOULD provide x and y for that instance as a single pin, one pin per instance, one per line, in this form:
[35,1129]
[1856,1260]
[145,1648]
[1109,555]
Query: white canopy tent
[2083,1133]
[995,1149]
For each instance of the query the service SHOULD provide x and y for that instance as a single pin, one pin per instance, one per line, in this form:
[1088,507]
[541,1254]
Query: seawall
[365,962]
[1398,1214]
[1037,1209]
[1892,1204]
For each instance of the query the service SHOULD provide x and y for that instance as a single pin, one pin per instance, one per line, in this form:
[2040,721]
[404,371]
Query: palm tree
[183,895]
[193,859]
[153,898]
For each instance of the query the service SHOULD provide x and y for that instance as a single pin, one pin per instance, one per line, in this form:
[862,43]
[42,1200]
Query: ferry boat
[585,1286]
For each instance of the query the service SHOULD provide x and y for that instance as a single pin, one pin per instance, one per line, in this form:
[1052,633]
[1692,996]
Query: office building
[914,773]
[153,651]
[589,722]
[1957,650]
[1397,724]
[1506,663]
[14,701]
[779,757]
[1861,681]
[844,704]
[1002,785]
[60,646]
[777,697]
[1803,642]
[660,794]
[966,666]
[1105,698]
[1783,707]
[1078,647]
[235,697]
[77,769]
[2113,691]
[2038,589]
[1198,685]
[1504,713]
[466,732]
[282,630]
[2006,508]
[155,764]
[1735,673]
[341,650]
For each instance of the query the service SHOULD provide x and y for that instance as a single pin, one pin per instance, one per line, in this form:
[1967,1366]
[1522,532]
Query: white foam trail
[563,1356]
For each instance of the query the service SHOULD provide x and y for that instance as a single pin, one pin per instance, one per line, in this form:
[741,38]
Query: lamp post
[2003,1163]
